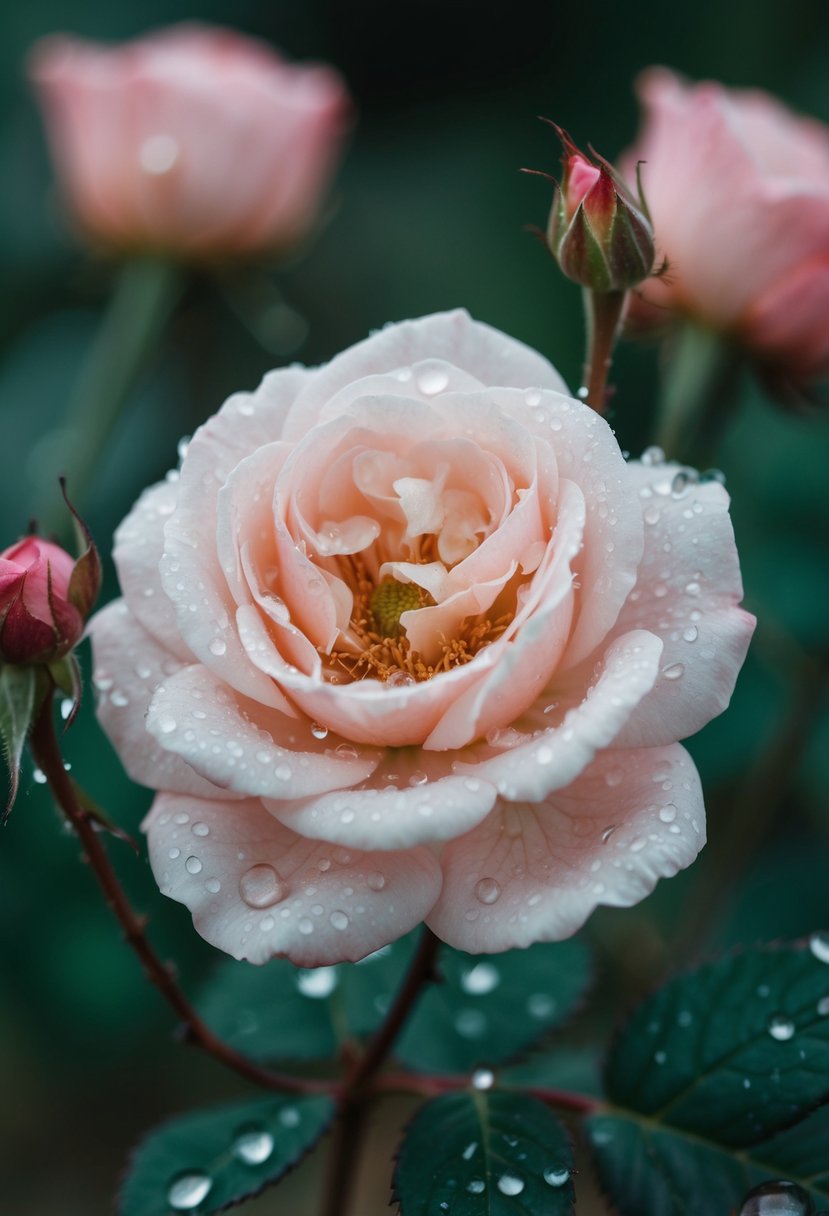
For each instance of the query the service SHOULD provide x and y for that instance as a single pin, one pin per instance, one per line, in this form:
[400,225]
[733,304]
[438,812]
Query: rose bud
[738,188]
[600,235]
[45,595]
[193,142]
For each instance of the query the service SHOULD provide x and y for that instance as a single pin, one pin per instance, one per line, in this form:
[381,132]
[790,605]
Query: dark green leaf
[224,1155]
[17,706]
[713,1080]
[573,1068]
[489,1008]
[484,1153]
[283,1013]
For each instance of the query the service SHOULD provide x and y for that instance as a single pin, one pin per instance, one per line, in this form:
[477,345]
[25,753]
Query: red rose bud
[600,235]
[45,596]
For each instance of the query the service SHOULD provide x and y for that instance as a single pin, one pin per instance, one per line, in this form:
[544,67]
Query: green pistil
[389,601]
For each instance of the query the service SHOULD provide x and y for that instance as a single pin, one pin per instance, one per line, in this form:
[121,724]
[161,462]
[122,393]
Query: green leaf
[489,1008]
[280,1013]
[213,1159]
[17,708]
[484,1153]
[560,1067]
[715,1078]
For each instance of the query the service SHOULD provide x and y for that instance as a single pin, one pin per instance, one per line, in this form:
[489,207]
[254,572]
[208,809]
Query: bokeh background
[429,213]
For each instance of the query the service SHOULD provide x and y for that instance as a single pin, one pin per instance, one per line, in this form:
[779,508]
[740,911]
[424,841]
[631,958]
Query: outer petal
[485,353]
[241,745]
[687,593]
[329,904]
[139,544]
[411,798]
[560,737]
[190,569]
[535,872]
[129,666]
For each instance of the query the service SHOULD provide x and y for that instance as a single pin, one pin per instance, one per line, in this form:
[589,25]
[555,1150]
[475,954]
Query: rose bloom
[37,621]
[738,190]
[194,142]
[406,638]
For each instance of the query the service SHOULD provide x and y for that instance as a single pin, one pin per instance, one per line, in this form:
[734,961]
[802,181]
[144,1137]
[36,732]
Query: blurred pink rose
[407,638]
[37,620]
[193,141]
[738,189]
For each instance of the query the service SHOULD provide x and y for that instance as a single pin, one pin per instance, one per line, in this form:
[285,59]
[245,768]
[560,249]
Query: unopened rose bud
[599,233]
[45,596]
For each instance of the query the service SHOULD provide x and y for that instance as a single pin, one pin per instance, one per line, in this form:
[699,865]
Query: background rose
[738,189]
[37,619]
[320,806]
[192,141]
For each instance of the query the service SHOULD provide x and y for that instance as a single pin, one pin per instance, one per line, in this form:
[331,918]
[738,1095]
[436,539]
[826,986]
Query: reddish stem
[433,1086]
[47,754]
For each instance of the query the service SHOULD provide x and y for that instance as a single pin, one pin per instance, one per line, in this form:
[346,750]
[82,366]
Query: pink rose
[407,639]
[738,190]
[38,622]
[193,141]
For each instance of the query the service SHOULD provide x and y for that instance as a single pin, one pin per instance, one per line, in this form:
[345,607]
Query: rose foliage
[406,638]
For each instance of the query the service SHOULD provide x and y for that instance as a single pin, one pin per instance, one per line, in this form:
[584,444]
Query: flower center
[391,599]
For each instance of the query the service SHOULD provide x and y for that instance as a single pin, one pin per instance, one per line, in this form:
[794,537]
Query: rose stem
[349,1128]
[46,752]
[603,312]
[146,292]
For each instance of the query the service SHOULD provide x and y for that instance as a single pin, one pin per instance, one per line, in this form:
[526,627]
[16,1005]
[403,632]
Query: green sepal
[20,698]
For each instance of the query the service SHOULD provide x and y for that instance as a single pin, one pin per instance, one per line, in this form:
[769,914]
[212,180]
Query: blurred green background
[429,214]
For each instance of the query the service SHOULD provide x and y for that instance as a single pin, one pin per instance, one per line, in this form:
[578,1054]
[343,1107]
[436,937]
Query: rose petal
[139,544]
[241,745]
[687,593]
[409,799]
[488,355]
[585,712]
[129,666]
[535,872]
[329,904]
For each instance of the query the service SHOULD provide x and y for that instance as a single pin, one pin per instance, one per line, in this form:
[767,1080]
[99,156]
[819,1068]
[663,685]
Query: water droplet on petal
[690,634]
[339,920]
[253,1145]
[319,732]
[188,1191]
[218,647]
[376,881]
[261,887]
[674,671]
[200,829]
[487,890]
[432,380]
[668,813]
[780,1027]
[193,865]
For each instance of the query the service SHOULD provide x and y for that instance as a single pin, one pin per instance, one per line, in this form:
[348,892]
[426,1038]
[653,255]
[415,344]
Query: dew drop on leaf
[253,1145]
[188,1191]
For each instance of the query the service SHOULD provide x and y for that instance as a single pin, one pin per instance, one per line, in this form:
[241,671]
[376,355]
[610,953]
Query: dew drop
[476,1186]
[253,1145]
[823,1006]
[554,1176]
[317,983]
[778,1198]
[487,890]
[470,1023]
[305,926]
[432,380]
[652,456]
[174,854]
[608,832]
[339,920]
[261,887]
[668,813]
[188,1191]
[674,671]
[540,1005]
[66,707]
[400,679]
[508,1184]
[39,777]
[483,1079]
[376,881]
[193,865]
[200,829]
[166,725]
[481,979]
[213,886]
[819,946]
[780,1028]
[469,1151]
[319,732]
[692,589]
[690,634]
[218,647]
